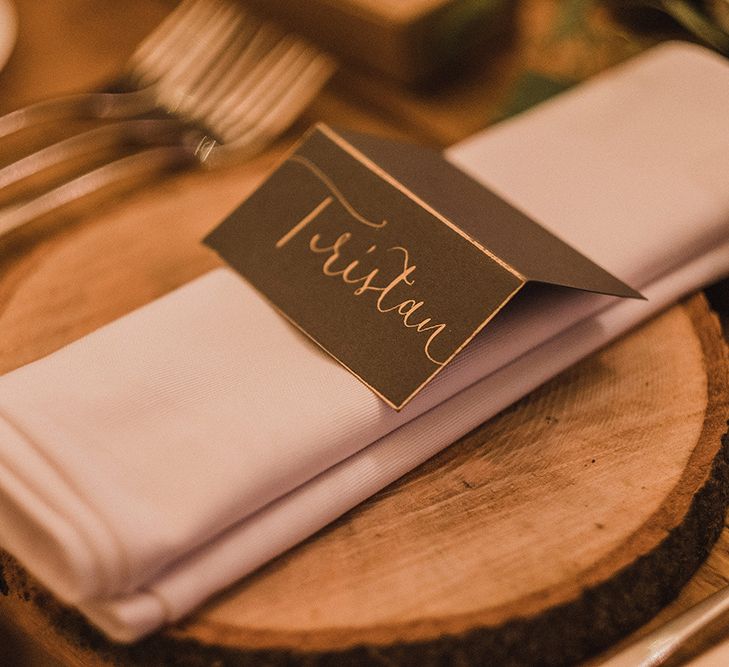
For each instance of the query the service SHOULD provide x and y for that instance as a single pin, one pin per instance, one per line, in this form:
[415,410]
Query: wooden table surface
[72,45]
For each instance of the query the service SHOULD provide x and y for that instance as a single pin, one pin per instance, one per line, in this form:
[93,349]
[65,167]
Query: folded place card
[389,257]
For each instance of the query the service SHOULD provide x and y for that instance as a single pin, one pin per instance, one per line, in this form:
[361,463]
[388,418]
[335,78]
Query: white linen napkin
[152,463]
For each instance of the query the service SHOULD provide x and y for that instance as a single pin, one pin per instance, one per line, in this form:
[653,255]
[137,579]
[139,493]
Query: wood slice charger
[539,538]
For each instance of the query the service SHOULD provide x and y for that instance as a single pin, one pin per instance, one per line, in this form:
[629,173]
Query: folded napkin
[155,461]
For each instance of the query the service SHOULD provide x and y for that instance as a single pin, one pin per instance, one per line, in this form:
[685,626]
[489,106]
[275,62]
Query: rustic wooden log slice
[541,537]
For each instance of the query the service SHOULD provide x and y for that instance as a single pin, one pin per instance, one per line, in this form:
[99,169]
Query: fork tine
[269,87]
[278,80]
[152,51]
[268,127]
[268,82]
[207,85]
[266,121]
[312,68]
[275,58]
[214,98]
[198,59]
[167,28]
[194,38]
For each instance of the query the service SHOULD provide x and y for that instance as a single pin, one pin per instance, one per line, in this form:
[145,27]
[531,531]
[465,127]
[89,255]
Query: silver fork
[219,83]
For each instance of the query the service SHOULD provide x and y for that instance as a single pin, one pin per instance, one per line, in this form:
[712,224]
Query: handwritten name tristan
[391,290]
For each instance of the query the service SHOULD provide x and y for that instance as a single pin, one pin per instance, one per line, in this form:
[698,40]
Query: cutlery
[211,83]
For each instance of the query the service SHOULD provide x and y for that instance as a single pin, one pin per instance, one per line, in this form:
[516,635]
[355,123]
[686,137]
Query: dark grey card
[388,257]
